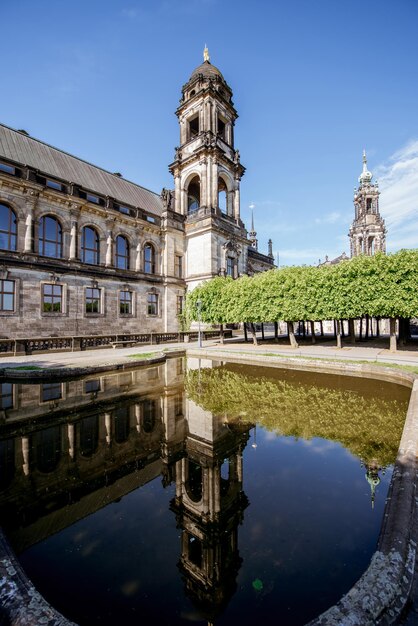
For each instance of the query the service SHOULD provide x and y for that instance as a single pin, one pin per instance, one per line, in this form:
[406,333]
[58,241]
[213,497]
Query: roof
[207,69]
[21,148]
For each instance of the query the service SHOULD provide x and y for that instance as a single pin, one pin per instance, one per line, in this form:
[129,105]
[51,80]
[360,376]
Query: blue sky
[314,81]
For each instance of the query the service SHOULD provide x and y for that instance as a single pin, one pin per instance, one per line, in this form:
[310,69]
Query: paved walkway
[373,351]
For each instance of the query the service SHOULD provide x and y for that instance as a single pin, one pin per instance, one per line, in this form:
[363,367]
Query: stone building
[368,232]
[85,252]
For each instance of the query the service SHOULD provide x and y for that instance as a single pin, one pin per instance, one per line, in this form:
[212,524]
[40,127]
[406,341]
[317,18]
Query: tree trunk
[342,329]
[392,325]
[253,333]
[313,332]
[245,332]
[304,329]
[221,333]
[338,330]
[335,329]
[377,327]
[360,334]
[276,331]
[351,330]
[262,331]
[292,337]
[321,325]
[366,334]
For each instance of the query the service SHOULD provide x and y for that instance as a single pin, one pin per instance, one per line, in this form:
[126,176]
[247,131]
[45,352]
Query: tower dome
[366,176]
[206,68]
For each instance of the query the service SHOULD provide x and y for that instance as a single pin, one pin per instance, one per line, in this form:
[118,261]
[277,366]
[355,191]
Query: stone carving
[166,195]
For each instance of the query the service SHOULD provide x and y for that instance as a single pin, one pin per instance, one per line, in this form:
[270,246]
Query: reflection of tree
[370,427]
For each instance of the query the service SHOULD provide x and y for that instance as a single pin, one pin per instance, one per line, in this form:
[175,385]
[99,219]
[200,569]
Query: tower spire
[252,235]
[206,56]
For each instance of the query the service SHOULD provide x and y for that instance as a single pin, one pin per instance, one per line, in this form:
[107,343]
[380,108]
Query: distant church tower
[207,173]
[367,233]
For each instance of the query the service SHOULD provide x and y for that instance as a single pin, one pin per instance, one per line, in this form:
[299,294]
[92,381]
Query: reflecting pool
[196,491]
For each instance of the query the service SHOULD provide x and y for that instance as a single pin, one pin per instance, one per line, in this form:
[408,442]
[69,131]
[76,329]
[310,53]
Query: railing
[91,342]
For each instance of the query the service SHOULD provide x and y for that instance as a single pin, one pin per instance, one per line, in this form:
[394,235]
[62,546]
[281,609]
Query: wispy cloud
[329,218]
[398,183]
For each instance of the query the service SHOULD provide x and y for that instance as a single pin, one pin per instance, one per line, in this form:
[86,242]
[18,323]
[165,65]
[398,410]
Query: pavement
[374,350]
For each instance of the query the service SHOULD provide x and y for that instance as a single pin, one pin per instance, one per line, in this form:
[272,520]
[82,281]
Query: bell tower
[207,173]
[368,232]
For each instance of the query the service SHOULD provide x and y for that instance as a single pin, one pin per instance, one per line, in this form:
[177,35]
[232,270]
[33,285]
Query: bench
[123,343]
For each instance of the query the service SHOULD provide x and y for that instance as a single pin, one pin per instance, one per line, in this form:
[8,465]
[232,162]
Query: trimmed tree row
[381,286]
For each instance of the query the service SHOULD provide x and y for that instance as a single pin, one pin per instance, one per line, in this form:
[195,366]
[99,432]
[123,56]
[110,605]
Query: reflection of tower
[372,477]
[367,233]
[209,505]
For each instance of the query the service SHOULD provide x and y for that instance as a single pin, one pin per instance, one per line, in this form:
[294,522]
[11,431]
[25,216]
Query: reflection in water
[72,452]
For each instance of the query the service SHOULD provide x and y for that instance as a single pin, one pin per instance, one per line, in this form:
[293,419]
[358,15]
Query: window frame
[9,233]
[43,241]
[178,266]
[100,299]
[126,256]
[151,303]
[132,300]
[84,250]
[152,263]
[13,293]
[63,298]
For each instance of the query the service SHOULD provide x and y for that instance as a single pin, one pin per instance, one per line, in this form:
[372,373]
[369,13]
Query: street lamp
[199,311]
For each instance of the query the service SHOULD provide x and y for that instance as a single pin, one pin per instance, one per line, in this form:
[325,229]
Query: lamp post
[199,334]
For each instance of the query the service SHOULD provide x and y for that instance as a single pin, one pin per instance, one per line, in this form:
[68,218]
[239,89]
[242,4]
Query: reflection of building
[68,449]
[209,507]
[84,443]
[84,251]
[373,478]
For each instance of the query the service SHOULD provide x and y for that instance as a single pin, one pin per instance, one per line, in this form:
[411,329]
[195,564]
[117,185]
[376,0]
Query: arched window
[122,253]
[50,237]
[8,228]
[194,485]
[193,195]
[121,421]
[48,449]
[149,259]
[148,415]
[90,246]
[222,197]
[89,435]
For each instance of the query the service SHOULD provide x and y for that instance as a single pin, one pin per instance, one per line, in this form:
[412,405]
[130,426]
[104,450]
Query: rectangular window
[92,198]
[51,391]
[178,266]
[6,395]
[92,386]
[180,304]
[124,209]
[178,404]
[151,219]
[7,295]
[194,127]
[152,304]
[9,169]
[93,300]
[52,298]
[230,266]
[125,302]
[52,184]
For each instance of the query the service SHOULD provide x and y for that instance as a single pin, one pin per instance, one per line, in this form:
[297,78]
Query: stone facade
[368,232]
[85,252]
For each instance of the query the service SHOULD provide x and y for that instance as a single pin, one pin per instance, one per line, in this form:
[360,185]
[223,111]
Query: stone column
[25,455]
[217,494]
[138,417]
[215,183]
[203,184]
[71,450]
[108,427]
[208,199]
[177,206]
[236,201]
[109,243]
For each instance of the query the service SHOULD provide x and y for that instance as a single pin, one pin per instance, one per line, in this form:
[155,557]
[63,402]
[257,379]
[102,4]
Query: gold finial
[206,56]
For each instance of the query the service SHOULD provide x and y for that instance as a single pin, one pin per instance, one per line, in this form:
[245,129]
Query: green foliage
[380,286]
[369,426]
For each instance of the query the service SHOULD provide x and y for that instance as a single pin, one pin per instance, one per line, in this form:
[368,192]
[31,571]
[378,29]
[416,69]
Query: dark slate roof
[207,69]
[21,148]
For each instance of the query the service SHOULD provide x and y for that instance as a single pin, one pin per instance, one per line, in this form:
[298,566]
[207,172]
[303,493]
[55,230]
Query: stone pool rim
[382,593]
